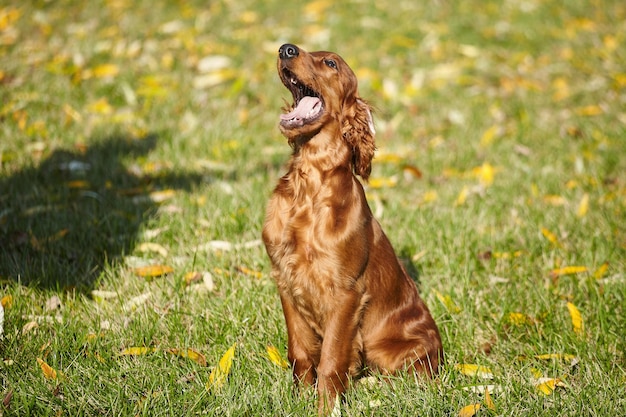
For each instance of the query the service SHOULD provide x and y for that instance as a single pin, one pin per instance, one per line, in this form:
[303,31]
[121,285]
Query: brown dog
[348,303]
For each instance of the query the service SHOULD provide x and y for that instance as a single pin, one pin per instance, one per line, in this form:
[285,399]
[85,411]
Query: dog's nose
[288,51]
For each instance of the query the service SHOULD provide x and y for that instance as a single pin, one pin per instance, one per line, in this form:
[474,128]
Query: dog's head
[325,95]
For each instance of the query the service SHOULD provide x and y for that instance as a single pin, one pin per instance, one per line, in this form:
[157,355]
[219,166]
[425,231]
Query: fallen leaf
[487,138]
[53,303]
[583,206]
[100,106]
[191,277]
[577,318]
[152,247]
[480,389]
[446,300]
[213,63]
[223,245]
[554,200]
[78,184]
[519,319]
[567,270]
[462,197]
[412,171]
[488,401]
[601,271]
[48,371]
[136,351]
[137,301]
[591,110]
[572,359]
[550,236]
[474,370]
[189,353]
[99,295]
[7,301]
[29,326]
[153,271]
[276,357]
[382,182]
[105,71]
[6,401]
[469,410]
[547,385]
[251,272]
[220,372]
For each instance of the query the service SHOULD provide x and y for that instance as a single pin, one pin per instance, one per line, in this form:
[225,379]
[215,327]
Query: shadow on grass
[62,221]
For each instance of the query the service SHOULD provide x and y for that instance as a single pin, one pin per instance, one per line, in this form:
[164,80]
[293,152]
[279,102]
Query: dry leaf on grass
[222,370]
[275,357]
[474,370]
[189,353]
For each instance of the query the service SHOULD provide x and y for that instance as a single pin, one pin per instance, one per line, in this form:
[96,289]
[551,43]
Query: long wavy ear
[358,131]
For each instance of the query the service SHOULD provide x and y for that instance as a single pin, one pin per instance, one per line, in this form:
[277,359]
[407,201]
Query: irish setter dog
[348,302]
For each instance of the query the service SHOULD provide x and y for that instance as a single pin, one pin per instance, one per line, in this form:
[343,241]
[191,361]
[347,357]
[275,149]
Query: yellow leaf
[601,271]
[191,277]
[474,370]
[48,371]
[485,174]
[446,300]
[558,356]
[382,182]
[105,70]
[275,357]
[469,410]
[554,200]
[220,372]
[592,110]
[78,184]
[507,255]
[7,301]
[136,351]
[519,319]
[248,271]
[547,385]
[101,106]
[567,270]
[430,196]
[489,135]
[550,236]
[189,353]
[462,197]
[577,318]
[583,206]
[160,196]
[488,401]
[153,271]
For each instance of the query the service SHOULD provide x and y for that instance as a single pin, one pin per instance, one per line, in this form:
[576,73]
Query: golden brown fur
[348,303]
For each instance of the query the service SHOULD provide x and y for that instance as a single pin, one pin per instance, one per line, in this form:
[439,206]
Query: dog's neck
[315,157]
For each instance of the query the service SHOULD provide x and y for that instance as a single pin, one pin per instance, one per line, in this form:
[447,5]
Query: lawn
[139,145]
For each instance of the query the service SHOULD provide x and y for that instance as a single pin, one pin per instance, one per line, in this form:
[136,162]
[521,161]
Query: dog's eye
[331,63]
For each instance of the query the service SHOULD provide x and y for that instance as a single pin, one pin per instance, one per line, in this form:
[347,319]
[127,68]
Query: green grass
[105,103]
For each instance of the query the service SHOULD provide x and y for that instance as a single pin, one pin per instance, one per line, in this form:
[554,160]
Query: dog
[349,305]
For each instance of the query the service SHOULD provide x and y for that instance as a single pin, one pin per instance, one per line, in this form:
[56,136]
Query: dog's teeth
[293,81]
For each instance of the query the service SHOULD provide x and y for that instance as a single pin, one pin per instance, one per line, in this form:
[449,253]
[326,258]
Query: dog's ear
[358,131]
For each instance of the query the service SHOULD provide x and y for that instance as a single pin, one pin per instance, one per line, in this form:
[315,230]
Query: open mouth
[307,106]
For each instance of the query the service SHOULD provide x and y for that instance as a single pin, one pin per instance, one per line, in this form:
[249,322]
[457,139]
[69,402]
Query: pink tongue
[304,107]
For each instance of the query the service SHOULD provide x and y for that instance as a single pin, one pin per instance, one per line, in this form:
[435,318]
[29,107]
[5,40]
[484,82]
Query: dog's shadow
[64,219]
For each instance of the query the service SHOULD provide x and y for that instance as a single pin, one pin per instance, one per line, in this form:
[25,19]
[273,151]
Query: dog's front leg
[303,345]
[339,353]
